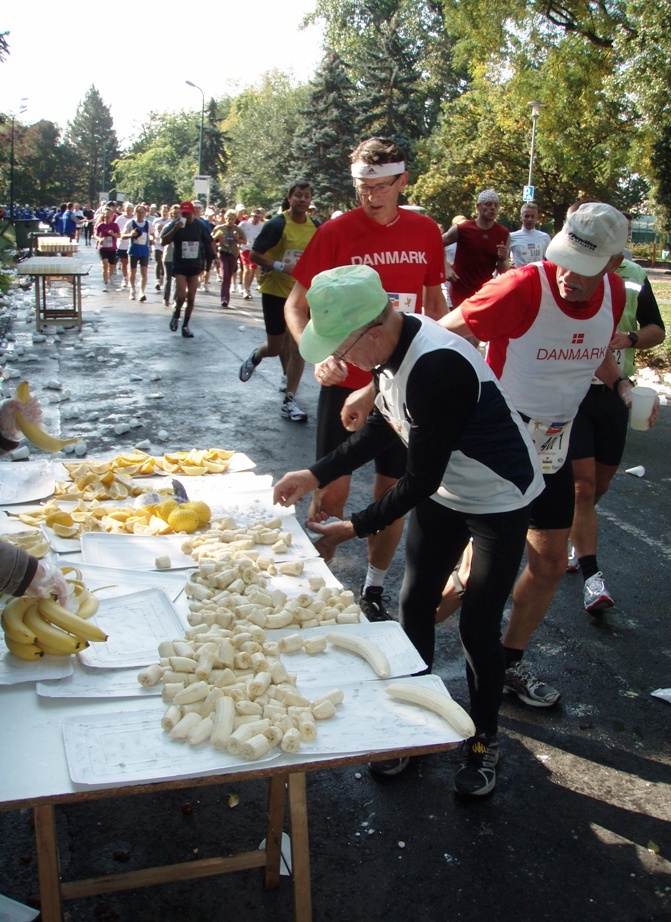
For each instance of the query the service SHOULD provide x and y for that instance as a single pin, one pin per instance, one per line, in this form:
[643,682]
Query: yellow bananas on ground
[32,431]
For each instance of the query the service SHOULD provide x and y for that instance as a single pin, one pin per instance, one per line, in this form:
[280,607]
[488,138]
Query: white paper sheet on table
[98,683]
[135,624]
[212,488]
[294,585]
[134,552]
[110,582]
[131,746]
[346,666]
[25,481]
[14,671]
[9,525]
[11,911]
[368,719]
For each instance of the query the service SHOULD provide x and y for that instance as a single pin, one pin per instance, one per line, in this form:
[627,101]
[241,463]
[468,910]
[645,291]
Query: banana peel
[34,433]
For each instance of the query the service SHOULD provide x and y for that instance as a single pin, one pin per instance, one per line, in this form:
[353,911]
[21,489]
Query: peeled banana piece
[374,656]
[437,702]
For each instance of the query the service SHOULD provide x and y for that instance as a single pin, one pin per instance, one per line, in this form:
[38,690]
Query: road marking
[637,533]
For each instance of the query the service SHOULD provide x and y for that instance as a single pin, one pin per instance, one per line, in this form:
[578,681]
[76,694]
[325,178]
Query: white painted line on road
[637,533]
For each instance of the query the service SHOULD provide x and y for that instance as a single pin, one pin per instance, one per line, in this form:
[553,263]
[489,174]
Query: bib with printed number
[190,249]
[552,442]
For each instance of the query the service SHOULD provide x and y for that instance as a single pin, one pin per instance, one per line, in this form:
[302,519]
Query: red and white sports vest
[548,369]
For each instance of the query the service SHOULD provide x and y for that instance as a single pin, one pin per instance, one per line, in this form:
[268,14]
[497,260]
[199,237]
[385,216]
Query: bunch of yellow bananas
[33,627]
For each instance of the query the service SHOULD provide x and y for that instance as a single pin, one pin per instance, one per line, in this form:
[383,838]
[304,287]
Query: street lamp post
[536,107]
[202,121]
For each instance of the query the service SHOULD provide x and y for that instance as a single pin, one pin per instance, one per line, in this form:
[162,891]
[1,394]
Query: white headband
[361,170]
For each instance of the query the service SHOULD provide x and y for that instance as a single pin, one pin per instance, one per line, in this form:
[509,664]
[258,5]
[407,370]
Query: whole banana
[54,612]
[32,431]
[50,636]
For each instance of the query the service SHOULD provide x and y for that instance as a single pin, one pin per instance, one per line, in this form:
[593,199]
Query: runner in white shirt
[251,228]
[123,244]
[528,244]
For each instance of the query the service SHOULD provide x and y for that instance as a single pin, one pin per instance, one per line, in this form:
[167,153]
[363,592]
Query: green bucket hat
[341,301]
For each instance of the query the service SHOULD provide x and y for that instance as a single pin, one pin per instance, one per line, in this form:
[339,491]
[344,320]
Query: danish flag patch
[577,338]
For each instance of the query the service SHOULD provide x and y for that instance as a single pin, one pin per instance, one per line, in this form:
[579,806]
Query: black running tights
[435,541]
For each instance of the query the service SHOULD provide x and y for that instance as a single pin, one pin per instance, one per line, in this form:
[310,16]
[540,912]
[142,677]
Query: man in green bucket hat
[471,472]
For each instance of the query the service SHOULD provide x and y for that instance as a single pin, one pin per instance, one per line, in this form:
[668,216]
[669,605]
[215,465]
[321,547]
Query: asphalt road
[579,827]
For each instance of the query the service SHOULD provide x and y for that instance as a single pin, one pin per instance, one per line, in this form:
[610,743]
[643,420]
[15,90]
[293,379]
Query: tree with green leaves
[583,143]
[261,126]
[91,137]
[159,166]
[215,158]
[353,27]
[325,136]
[388,101]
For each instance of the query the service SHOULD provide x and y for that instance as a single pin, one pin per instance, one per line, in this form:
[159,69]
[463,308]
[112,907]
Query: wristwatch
[633,337]
[616,384]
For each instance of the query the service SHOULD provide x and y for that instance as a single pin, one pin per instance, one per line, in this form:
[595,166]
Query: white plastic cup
[642,402]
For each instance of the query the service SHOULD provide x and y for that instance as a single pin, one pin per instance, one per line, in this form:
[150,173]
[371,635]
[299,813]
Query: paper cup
[637,471]
[642,402]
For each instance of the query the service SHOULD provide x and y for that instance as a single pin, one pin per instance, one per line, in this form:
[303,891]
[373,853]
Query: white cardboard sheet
[135,625]
[25,481]
[134,552]
[110,582]
[368,719]
[11,911]
[130,746]
[98,683]
[13,670]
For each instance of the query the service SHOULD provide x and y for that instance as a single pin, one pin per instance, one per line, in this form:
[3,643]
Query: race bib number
[190,249]
[142,240]
[404,301]
[108,243]
[620,356]
[551,441]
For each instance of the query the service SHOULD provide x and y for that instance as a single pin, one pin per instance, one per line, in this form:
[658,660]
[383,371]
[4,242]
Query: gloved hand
[50,582]
[31,409]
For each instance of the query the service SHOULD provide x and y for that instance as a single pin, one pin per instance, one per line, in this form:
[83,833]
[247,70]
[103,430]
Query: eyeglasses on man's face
[340,356]
[364,188]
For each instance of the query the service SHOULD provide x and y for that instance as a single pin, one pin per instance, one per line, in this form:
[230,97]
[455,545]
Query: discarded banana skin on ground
[34,433]
[435,701]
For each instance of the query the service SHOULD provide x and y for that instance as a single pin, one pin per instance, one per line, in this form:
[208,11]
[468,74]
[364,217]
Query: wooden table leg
[300,847]
[276,803]
[47,863]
